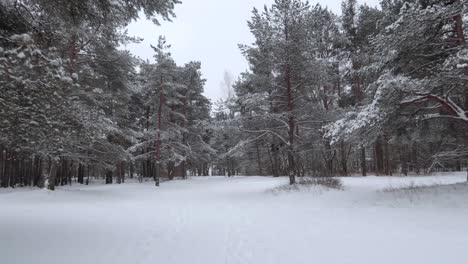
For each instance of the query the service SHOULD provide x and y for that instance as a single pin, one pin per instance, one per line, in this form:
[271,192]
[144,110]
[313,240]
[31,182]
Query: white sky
[209,31]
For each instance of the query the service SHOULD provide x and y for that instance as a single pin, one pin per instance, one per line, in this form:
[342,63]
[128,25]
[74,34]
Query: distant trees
[418,79]
[174,110]
[375,90]
[72,104]
[290,91]
[279,61]
[227,85]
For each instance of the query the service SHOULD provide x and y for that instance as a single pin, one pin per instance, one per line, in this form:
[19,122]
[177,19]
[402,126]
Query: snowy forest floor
[239,220]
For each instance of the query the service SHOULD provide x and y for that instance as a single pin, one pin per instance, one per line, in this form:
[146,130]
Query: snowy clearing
[239,220]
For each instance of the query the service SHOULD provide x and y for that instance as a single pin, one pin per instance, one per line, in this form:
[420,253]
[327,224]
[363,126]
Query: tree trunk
[379,156]
[88,173]
[109,177]
[158,135]
[404,160]
[290,105]
[118,172]
[132,170]
[38,177]
[362,149]
[3,166]
[292,176]
[259,160]
[80,177]
[157,174]
[275,168]
[344,159]
[387,164]
[53,174]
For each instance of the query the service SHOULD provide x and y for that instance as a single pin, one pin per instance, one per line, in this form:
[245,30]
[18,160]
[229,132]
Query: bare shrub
[411,188]
[316,185]
[328,182]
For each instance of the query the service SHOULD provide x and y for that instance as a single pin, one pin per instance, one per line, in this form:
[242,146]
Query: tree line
[379,90]
[74,105]
[373,90]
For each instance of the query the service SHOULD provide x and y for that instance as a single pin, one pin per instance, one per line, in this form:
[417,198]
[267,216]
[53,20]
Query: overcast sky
[208,31]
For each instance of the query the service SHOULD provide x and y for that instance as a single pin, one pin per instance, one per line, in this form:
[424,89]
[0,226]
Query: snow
[239,220]
[98,91]
[55,63]
[117,3]
[21,38]
[373,114]
[66,79]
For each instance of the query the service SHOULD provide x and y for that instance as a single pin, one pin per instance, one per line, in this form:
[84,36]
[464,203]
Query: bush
[311,184]
[332,183]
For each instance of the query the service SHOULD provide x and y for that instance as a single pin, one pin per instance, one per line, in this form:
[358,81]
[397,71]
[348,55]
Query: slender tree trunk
[38,177]
[259,160]
[329,157]
[170,170]
[109,177]
[147,163]
[158,136]
[3,163]
[358,90]
[80,177]
[290,105]
[88,174]
[415,160]
[388,169]
[344,159]
[291,123]
[404,160]
[276,168]
[132,170]
[206,169]
[362,149]
[379,156]
[292,176]
[184,125]
[53,174]
[118,172]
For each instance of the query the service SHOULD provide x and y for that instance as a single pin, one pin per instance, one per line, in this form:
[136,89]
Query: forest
[370,91]
[343,138]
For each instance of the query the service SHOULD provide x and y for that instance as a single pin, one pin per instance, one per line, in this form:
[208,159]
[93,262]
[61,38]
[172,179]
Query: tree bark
[379,156]
[109,177]
[344,159]
[259,160]
[157,175]
[387,164]
[53,174]
[404,160]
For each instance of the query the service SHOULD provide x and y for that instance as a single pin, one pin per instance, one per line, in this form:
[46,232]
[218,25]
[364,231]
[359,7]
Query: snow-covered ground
[239,220]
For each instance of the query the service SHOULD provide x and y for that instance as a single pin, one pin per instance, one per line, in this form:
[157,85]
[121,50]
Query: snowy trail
[234,221]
